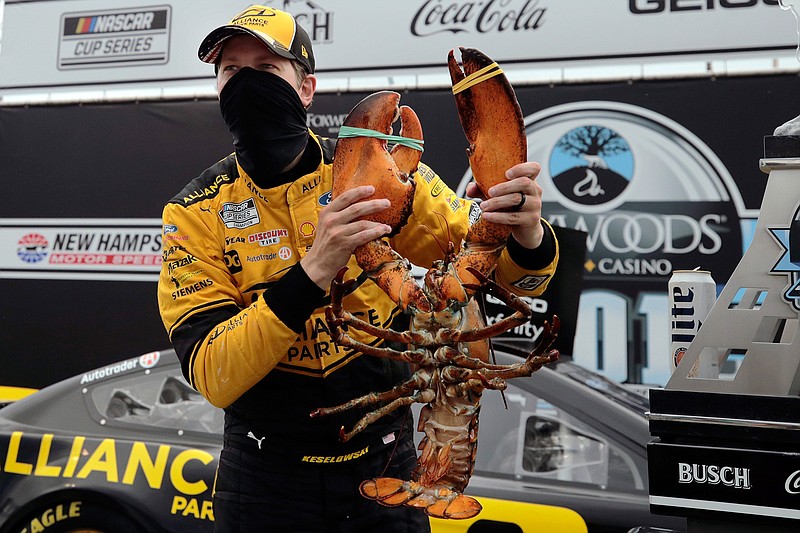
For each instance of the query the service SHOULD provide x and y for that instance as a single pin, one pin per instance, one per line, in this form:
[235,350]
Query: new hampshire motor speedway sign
[81,249]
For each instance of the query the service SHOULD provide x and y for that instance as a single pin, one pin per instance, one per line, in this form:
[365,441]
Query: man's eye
[230,68]
[266,66]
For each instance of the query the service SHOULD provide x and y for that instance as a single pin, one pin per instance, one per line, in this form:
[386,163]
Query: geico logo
[136,462]
[639,7]
[644,233]
[51,516]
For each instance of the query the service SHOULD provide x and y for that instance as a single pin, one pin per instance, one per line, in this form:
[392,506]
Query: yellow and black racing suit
[248,325]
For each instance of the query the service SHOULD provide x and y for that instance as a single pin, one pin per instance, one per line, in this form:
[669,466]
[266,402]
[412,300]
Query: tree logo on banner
[591,165]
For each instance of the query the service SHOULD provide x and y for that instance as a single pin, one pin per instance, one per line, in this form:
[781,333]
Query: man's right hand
[339,232]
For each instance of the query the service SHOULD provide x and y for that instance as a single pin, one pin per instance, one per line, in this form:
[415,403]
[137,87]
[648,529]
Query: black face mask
[267,120]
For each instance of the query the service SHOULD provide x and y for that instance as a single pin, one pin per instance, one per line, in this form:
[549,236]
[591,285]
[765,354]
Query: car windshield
[630,399]
[159,399]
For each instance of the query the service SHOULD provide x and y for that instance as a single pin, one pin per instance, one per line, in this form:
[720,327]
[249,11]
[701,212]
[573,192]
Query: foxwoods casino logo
[651,196]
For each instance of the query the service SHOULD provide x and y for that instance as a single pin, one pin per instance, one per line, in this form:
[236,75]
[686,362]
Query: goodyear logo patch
[114,38]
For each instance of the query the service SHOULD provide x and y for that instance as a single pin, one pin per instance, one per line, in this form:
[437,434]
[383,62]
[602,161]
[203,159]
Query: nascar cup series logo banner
[115,38]
[79,249]
[652,198]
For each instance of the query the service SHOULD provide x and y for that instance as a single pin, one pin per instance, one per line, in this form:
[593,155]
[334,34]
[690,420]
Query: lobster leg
[501,326]
[423,396]
[479,385]
[487,286]
[522,312]
[405,337]
[536,359]
[404,389]
[409,356]
[336,316]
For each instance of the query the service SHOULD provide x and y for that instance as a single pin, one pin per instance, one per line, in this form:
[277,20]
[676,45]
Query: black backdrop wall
[123,161]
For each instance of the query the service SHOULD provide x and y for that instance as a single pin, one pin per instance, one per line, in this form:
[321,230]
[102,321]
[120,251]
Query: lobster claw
[490,115]
[364,160]
[492,121]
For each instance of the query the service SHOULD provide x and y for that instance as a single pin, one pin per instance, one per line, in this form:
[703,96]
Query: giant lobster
[448,339]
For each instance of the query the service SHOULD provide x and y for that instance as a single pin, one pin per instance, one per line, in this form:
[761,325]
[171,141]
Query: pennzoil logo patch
[241,215]
[437,188]
[528,282]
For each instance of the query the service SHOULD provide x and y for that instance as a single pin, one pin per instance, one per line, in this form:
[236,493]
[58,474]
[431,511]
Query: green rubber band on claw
[348,132]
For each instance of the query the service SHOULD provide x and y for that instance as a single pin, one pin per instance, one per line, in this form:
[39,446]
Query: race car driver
[250,248]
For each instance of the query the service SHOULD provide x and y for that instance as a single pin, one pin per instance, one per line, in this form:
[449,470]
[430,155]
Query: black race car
[130,447]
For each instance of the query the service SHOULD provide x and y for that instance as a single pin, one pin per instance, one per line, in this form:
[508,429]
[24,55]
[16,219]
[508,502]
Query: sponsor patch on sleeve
[474,213]
[529,282]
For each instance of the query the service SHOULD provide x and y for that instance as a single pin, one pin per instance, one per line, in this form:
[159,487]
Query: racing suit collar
[308,163]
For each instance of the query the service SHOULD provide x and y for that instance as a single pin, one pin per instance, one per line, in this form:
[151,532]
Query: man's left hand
[517,203]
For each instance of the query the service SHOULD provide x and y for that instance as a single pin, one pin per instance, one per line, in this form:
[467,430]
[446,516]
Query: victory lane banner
[81,249]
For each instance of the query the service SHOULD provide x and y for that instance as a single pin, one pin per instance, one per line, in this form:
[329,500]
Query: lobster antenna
[435,238]
[482,306]
[446,227]
[397,440]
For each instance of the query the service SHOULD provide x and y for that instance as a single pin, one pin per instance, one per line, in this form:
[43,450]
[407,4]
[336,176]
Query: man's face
[246,51]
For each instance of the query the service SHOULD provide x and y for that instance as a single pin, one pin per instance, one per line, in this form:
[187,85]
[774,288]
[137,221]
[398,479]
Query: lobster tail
[438,502]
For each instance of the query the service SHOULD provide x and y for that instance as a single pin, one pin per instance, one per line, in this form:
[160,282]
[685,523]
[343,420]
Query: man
[250,249]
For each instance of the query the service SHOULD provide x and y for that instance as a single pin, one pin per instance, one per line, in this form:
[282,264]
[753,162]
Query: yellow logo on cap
[304,51]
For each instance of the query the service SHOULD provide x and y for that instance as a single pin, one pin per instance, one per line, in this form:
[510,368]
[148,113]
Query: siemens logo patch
[122,37]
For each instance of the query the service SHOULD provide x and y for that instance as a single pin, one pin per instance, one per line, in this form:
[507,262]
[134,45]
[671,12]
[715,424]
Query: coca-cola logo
[437,16]
[792,484]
